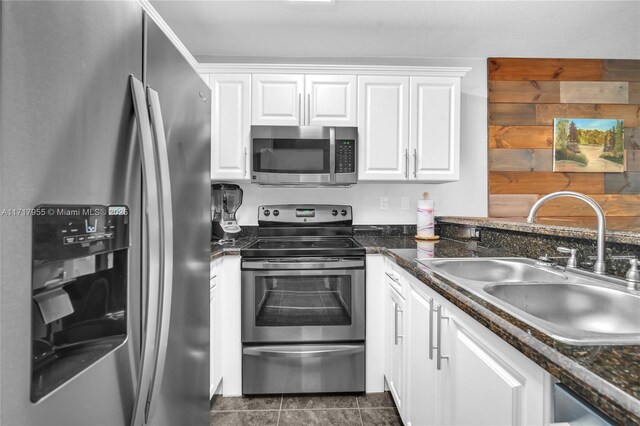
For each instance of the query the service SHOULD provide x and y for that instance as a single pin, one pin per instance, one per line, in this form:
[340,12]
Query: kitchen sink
[577,312]
[496,270]
[570,305]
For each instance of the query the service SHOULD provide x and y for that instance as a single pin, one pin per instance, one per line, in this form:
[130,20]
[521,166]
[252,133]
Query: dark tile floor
[372,409]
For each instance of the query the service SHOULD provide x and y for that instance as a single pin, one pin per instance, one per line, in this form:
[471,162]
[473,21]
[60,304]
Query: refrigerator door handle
[166,239]
[151,250]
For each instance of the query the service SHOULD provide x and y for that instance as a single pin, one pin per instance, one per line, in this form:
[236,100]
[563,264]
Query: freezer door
[180,388]
[68,137]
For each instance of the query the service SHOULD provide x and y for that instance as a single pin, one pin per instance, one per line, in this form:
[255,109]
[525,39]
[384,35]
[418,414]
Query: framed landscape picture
[588,145]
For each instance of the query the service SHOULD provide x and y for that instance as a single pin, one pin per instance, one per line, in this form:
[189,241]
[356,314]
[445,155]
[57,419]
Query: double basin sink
[570,305]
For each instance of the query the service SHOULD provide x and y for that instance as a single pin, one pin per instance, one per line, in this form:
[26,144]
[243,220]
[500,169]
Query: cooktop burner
[304,230]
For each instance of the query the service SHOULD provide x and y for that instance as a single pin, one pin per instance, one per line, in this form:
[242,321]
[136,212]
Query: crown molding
[160,22]
[216,68]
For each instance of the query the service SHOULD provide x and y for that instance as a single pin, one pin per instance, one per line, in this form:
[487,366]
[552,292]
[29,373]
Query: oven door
[303,300]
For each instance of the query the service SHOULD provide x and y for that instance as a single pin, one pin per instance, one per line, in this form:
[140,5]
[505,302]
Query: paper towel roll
[425,250]
[425,223]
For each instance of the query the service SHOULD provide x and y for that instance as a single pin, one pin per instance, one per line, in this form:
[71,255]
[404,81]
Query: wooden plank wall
[525,95]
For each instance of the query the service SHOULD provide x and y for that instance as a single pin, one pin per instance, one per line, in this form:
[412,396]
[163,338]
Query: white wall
[466,197]
[216,30]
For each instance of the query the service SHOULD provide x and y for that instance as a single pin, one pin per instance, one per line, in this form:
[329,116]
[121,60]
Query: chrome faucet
[600,265]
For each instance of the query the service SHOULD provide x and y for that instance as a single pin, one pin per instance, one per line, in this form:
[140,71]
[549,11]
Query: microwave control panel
[345,156]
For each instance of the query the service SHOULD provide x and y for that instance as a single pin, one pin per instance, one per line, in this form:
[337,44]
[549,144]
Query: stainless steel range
[303,302]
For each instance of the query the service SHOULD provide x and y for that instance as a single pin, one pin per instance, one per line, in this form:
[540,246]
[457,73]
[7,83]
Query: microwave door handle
[332,154]
[150,251]
[166,237]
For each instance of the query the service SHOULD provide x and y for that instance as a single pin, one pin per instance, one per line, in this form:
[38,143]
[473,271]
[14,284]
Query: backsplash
[525,95]
[523,244]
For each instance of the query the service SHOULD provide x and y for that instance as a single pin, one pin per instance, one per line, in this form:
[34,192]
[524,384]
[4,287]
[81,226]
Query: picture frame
[588,145]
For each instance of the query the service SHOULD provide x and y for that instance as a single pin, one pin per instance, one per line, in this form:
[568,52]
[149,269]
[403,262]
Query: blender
[226,198]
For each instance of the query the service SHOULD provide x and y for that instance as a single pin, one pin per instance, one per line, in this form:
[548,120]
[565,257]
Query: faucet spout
[600,265]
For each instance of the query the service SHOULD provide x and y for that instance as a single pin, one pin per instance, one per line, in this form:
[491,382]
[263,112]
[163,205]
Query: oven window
[291,156]
[283,301]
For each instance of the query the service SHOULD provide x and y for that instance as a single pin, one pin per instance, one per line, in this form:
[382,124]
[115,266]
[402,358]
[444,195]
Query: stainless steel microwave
[304,155]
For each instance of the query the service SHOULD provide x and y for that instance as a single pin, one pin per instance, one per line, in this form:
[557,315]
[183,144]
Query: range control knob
[276,212]
[343,212]
[267,212]
[334,212]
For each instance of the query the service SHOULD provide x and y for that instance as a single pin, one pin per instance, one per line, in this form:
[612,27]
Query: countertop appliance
[303,302]
[304,155]
[226,199]
[105,247]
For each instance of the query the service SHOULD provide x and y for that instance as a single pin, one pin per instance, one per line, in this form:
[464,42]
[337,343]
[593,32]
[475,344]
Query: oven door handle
[301,351]
[284,265]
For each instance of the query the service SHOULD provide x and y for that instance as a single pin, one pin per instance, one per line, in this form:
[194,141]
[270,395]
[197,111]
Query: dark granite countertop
[230,249]
[606,376]
[617,231]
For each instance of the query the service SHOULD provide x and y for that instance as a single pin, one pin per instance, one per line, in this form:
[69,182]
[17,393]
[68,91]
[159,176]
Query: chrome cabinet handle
[396,335]
[415,163]
[246,168]
[308,109]
[431,348]
[393,278]
[439,356]
[301,118]
[406,163]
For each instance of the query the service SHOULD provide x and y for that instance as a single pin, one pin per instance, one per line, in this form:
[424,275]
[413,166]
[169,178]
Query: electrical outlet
[404,203]
[384,203]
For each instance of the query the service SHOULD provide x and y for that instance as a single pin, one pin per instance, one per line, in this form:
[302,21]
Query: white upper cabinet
[277,99]
[304,100]
[330,100]
[434,129]
[408,118]
[408,128]
[383,128]
[230,126]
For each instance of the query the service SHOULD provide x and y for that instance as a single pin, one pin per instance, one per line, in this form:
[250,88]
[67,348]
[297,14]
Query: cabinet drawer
[395,278]
[214,268]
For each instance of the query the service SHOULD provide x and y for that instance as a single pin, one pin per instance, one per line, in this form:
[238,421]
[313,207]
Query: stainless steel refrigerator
[104,220]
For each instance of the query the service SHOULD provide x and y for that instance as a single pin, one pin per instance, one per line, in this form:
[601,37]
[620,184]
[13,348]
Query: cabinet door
[423,396]
[482,387]
[330,100]
[383,128]
[215,344]
[230,126]
[214,335]
[395,348]
[435,123]
[277,99]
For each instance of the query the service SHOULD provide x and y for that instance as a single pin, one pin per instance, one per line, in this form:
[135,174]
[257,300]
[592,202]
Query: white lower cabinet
[224,329]
[424,384]
[396,348]
[215,344]
[486,381]
[444,368]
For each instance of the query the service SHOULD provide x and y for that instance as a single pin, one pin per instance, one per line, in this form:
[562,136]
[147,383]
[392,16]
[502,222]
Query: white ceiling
[236,31]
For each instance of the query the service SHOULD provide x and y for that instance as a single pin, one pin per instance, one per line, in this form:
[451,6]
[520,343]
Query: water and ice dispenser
[79,290]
